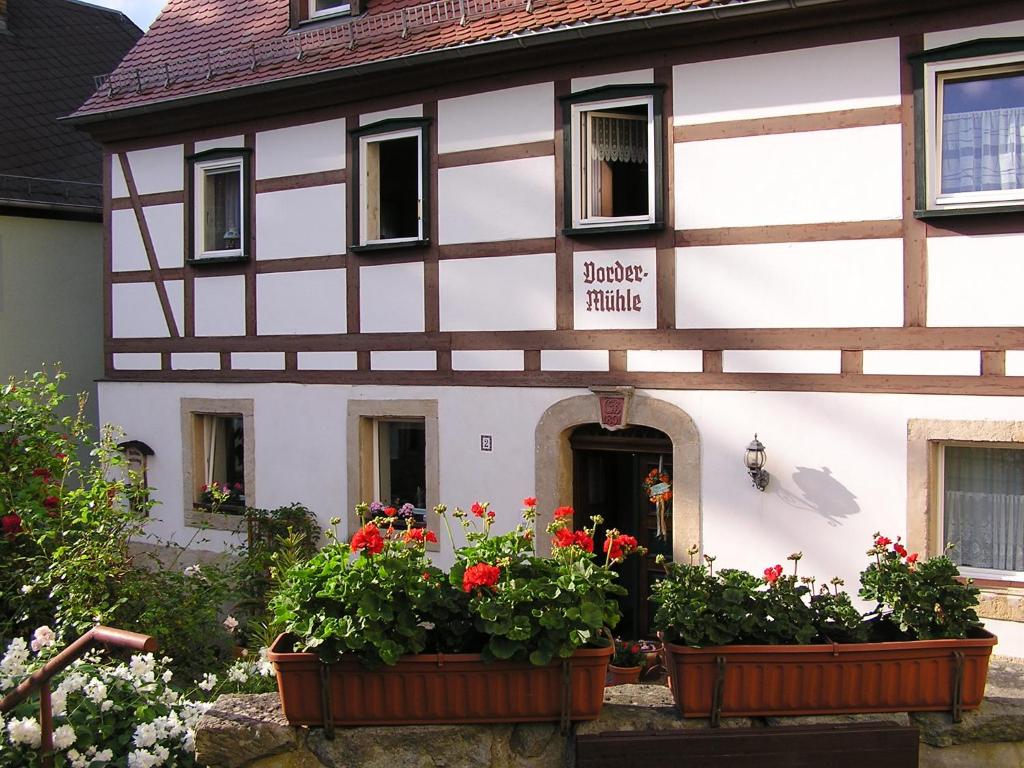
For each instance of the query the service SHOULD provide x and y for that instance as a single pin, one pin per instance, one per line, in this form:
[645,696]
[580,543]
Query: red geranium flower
[480,575]
[563,538]
[772,573]
[530,501]
[899,549]
[390,511]
[51,502]
[41,472]
[368,538]
[619,546]
[564,512]
[419,535]
[11,525]
[583,540]
[478,509]
[883,541]
[912,558]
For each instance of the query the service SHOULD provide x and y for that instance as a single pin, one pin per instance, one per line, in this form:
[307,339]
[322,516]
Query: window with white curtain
[972,127]
[219,458]
[219,206]
[614,163]
[982,501]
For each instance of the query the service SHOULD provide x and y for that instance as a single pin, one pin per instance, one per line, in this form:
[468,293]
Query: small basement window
[219,462]
[614,163]
[392,184]
[220,205]
[401,464]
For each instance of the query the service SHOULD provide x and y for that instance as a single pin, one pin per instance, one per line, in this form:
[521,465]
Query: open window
[391,178]
[218,461]
[220,205]
[970,127]
[614,159]
[401,464]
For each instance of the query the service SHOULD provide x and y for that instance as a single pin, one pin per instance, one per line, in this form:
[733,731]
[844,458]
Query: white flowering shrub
[108,713]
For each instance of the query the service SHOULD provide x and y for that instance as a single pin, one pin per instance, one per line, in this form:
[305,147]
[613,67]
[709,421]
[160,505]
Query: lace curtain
[983,507]
[983,150]
[618,139]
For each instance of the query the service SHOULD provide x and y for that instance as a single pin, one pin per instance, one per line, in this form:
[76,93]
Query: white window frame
[934,74]
[335,11]
[992,574]
[202,168]
[581,221]
[376,138]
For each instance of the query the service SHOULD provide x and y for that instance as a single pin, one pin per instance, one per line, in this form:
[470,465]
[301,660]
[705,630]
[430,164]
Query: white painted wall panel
[487,360]
[823,79]
[301,302]
[220,305]
[412,110]
[781,361]
[391,298]
[166,228]
[225,142]
[632,77]
[511,200]
[118,187]
[160,169]
[403,361]
[496,118]
[300,222]
[526,285]
[836,284]
[327,361]
[975,281]
[195,361]
[1014,362]
[851,174]
[127,251]
[573,360]
[606,281]
[175,290]
[257,361]
[665,360]
[922,362]
[953,36]
[136,311]
[301,149]
[137,361]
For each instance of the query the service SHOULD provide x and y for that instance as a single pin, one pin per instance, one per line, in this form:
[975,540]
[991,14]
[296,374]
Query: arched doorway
[609,469]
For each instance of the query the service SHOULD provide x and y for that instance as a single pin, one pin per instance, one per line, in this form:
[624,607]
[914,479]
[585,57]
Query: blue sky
[142,12]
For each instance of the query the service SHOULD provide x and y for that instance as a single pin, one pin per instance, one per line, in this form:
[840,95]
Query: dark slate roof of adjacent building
[208,48]
[49,54]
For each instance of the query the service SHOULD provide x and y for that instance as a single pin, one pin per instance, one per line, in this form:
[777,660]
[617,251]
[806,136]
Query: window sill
[195,262]
[942,213]
[403,245]
[607,229]
[198,517]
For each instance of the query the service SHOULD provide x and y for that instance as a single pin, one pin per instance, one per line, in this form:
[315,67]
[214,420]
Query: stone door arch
[553,461]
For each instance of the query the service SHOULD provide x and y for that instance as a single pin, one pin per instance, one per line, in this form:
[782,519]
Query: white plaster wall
[137,361]
[166,229]
[300,222]
[391,298]
[175,290]
[136,311]
[496,118]
[837,460]
[510,200]
[781,361]
[643,285]
[412,110]
[327,361]
[487,360]
[301,302]
[526,283]
[665,360]
[257,361]
[823,79]
[225,142]
[953,36]
[632,77]
[923,362]
[160,169]
[195,361]
[975,281]
[850,174]
[118,186]
[403,361]
[1014,362]
[127,251]
[220,305]
[573,360]
[836,284]
[301,149]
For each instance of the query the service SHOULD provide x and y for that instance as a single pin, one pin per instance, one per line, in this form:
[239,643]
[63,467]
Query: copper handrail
[40,679]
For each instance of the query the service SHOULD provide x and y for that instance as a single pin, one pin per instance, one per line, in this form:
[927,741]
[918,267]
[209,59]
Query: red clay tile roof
[198,47]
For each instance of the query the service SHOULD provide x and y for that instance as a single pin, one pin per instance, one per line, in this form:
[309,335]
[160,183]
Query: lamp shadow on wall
[822,494]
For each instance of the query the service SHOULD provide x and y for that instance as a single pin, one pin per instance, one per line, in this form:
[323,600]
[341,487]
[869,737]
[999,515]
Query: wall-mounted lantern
[137,454]
[754,458]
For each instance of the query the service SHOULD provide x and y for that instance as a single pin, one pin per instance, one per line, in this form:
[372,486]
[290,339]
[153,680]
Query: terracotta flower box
[438,688]
[758,680]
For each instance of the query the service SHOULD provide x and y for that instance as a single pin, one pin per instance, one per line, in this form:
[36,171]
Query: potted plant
[741,645]
[627,663]
[376,634]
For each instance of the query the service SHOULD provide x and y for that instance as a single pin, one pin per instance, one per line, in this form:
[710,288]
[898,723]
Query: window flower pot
[759,680]
[623,675]
[438,688]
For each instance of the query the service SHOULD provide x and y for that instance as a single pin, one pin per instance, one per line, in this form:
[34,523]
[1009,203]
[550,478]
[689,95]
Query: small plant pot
[622,675]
